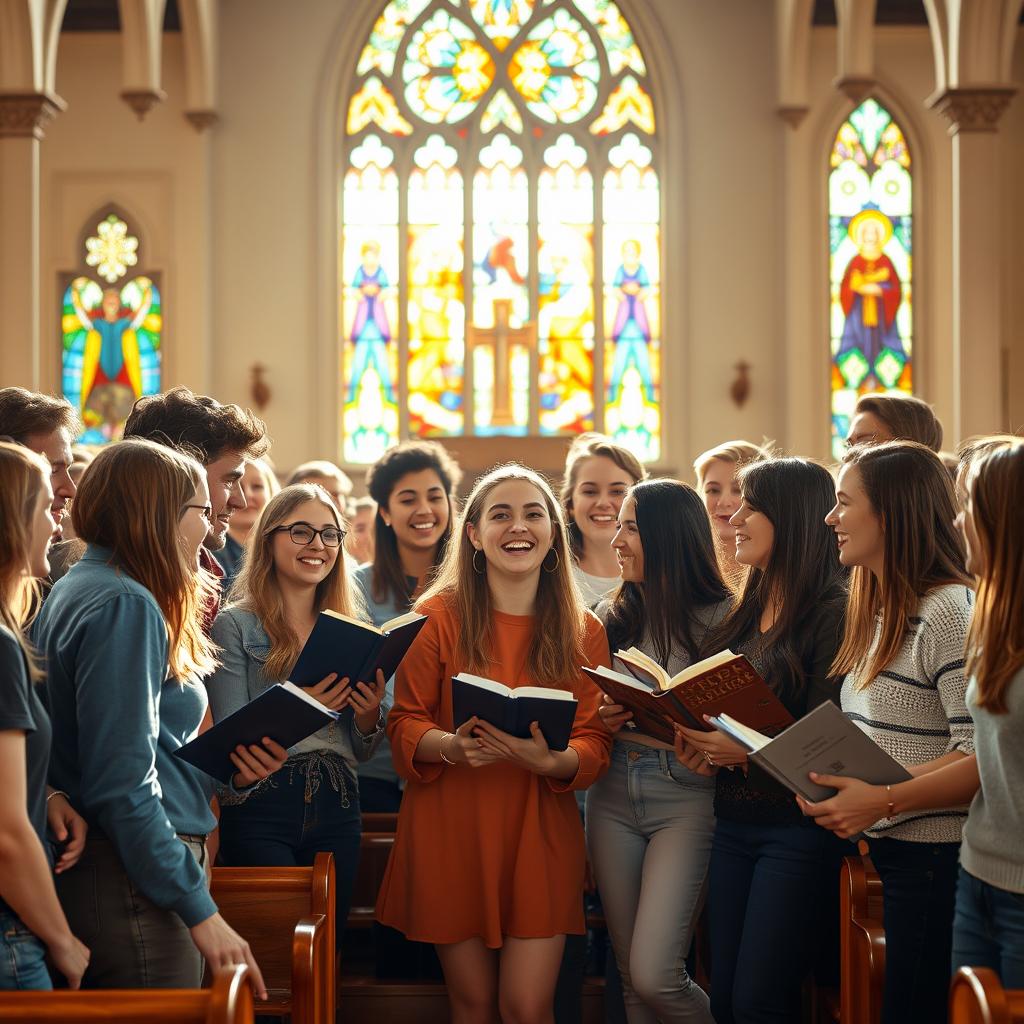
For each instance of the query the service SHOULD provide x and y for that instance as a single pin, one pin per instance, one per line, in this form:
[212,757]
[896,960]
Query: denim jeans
[764,882]
[308,806]
[918,893]
[649,827]
[988,929]
[22,956]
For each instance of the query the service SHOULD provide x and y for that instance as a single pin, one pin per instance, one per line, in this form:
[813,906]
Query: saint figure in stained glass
[370,329]
[632,331]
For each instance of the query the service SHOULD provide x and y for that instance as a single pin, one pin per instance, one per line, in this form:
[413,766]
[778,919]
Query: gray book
[824,741]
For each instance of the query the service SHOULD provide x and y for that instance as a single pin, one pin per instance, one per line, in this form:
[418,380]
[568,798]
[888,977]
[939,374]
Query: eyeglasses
[303,533]
[205,510]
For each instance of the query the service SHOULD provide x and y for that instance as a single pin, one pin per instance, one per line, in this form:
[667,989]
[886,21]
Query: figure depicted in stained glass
[370,330]
[116,357]
[870,294]
[632,330]
[499,262]
[566,321]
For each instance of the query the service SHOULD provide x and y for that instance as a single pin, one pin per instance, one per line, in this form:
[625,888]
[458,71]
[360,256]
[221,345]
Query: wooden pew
[229,1000]
[374,850]
[374,821]
[976,996]
[861,942]
[287,917]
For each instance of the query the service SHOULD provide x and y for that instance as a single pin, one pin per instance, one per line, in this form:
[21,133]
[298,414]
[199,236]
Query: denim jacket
[240,678]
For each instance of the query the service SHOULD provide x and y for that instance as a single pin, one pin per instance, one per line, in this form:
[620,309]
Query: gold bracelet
[58,792]
[440,748]
[892,803]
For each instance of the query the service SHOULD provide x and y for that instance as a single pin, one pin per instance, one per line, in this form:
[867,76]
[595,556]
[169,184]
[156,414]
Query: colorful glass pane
[501,111]
[374,104]
[615,33]
[369,271]
[556,70]
[386,35]
[501,19]
[436,309]
[501,264]
[446,70]
[632,299]
[565,311]
[628,104]
[870,250]
[111,352]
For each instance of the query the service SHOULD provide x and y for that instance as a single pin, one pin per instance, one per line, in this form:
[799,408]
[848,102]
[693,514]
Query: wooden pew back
[976,996]
[861,942]
[229,1000]
[287,917]
[375,848]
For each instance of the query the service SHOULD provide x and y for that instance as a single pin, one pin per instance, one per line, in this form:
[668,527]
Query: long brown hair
[131,502]
[995,640]
[257,589]
[557,651]
[911,492]
[23,476]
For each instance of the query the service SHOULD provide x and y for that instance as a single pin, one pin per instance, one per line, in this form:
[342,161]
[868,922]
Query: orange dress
[494,851]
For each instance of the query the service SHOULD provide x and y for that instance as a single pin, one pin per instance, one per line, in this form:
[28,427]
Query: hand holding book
[856,806]
[715,747]
[533,754]
[256,761]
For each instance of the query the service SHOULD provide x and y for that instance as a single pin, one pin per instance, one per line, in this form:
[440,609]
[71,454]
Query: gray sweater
[995,825]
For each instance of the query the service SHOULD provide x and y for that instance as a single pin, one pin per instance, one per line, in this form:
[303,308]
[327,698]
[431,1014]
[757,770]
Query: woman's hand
[365,699]
[71,958]
[256,761]
[855,807]
[613,716]
[66,824]
[690,757]
[533,754]
[222,946]
[332,692]
[463,747]
[722,752]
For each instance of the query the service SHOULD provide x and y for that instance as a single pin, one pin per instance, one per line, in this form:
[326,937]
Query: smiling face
[41,533]
[857,525]
[596,498]
[417,510]
[224,478]
[755,537]
[628,549]
[720,490]
[305,565]
[193,526]
[55,447]
[515,531]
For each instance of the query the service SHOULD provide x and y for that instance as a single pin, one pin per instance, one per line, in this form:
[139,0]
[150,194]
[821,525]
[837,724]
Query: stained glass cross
[502,338]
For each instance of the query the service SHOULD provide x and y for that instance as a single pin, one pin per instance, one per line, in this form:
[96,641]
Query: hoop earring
[558,561]
[478,571]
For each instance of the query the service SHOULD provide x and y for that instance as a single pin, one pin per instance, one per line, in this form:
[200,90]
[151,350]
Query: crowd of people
[186,580]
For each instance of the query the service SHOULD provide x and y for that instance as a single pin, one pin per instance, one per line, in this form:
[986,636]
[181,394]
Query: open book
[512,710]
[724,682]
[823,741]
[354,648]
[284,712]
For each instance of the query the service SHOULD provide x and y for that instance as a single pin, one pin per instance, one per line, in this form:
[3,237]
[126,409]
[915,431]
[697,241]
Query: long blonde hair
[22,480]
[257,590]
[995,640]
[131,501]
[557,651]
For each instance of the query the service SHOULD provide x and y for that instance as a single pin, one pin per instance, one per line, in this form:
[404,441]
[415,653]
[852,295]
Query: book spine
[368,671]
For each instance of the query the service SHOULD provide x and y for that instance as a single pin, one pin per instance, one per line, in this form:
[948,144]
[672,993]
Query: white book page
[703,666]
[298,691]
[753,739]
[400,620]
[542,691]
[368,626]
[485,684]
[622,677]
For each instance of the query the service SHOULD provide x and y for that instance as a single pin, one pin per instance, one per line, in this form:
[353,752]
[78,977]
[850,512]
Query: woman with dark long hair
[764,859]
[650,818]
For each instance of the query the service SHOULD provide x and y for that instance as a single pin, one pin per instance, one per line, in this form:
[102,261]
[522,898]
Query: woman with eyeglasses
[295,568]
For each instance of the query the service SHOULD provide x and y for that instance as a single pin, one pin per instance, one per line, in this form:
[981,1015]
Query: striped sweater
[915,708]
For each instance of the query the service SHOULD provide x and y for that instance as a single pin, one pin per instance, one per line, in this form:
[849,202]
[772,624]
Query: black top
[756,797]
[21,709]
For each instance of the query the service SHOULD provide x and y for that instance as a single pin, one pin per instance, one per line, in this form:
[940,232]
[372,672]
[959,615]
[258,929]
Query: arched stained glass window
[500,239]
[111,329]
[871,261]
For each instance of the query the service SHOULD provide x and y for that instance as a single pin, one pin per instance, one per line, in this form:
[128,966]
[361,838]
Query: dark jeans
[988,929]
[918,890]
[379,796]
[762,884]
[22,956]
[293,816]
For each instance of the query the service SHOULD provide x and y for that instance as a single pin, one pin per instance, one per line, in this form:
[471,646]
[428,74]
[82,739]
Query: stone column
[978,215]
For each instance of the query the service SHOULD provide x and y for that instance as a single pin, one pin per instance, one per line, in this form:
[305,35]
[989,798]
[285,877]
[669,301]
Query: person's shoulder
[593,628]
[363,574]
[945,607]
[440,607]
[10,649]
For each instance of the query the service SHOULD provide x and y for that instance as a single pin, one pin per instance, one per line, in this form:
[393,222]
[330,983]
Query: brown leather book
[725,682]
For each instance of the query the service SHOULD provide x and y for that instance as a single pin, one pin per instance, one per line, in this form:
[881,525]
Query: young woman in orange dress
[489,856]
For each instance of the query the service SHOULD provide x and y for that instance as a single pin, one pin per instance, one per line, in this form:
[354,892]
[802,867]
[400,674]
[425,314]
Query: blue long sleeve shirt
[117,719]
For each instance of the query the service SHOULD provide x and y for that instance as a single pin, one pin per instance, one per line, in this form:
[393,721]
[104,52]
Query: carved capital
[142,101]
[202,119]
[793,116]
[855,87]
[26,114]
[972,109]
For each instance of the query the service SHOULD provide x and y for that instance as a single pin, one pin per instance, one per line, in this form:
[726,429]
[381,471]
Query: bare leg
[529,972]
[471,974]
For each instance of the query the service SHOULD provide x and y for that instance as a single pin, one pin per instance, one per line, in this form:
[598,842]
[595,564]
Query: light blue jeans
[649,828]
[22,956]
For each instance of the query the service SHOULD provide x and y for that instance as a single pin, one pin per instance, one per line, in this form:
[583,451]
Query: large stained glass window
[500,176]
[871,261]
[111,330]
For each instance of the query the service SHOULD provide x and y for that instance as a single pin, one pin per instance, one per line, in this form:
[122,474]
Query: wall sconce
[739,389]
[259,389]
